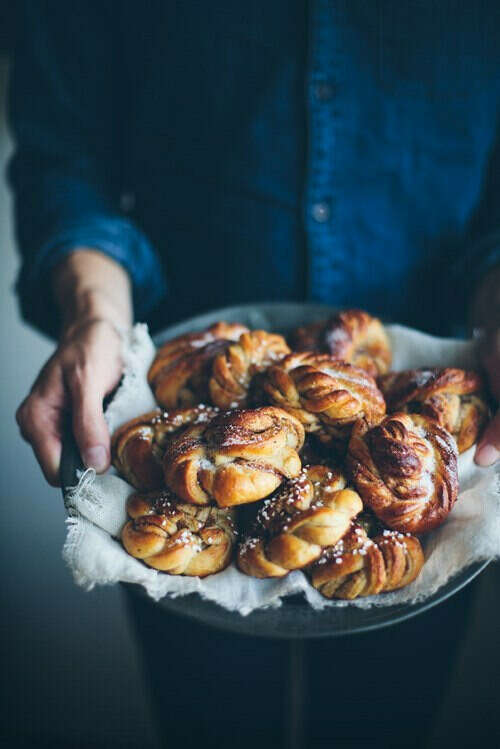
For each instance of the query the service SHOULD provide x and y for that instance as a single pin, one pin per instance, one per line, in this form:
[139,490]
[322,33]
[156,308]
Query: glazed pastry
[238,457]
[234,370]
[452,397]
[291,528]
[405,470]
[353,336]
[403,558]
[359,566]
[182,367]
[178,538]
[326,395]
[138,446]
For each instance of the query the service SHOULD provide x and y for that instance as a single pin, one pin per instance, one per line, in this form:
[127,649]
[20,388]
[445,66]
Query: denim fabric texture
[339,151]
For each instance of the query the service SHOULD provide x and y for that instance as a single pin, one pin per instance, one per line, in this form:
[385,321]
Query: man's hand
[486,318]
[488,449]
[84,369]
[93,295]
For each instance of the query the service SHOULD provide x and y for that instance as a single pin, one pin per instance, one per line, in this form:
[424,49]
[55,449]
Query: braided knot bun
[405,470]
[326,395]
[178,538]
[182,367]
[353,336]
[234,370]
[359,566]
[138,446]
[403,558]
[238,457]
[452,397]
[291,528]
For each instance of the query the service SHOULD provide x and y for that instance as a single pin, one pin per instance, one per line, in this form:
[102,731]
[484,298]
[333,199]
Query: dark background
[6,25]
[70,672]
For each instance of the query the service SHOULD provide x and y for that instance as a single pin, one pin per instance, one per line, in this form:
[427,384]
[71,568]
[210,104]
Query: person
[174,157]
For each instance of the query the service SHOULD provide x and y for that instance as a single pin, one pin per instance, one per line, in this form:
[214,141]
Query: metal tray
[294,619]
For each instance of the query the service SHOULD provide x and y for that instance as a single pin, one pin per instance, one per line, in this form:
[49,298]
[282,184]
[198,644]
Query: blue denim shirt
[340,151]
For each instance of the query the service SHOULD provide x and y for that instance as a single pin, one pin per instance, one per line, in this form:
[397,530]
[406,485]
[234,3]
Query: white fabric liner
[96,506]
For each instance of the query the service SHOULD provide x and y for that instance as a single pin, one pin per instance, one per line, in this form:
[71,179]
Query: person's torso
[331,151]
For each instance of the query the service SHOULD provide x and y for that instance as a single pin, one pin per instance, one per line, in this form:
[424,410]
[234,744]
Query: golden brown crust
[239,457]
[405,470]
[325,394]
[452,397]
[181,370]
[351,335]
[359,566]
[138,446]
[234,370]
[291,528]
[403,558]
[352,568]
[178,538]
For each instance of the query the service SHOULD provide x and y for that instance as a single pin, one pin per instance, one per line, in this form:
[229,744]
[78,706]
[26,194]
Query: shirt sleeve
[66,116]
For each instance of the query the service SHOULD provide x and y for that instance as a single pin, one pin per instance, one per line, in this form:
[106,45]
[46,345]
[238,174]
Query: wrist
[92,306]
[90,286]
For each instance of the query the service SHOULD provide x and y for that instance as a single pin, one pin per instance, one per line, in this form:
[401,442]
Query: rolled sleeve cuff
[115,237]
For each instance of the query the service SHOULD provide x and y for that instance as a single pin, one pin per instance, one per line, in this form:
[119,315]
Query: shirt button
[323,91]
[321,212]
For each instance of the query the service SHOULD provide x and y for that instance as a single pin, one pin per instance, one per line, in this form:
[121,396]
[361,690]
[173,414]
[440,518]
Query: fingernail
[95,457]
[487,455]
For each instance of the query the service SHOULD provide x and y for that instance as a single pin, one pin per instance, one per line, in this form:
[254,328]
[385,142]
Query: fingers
[89,426]
[40,422]
[488,450]
[85,368]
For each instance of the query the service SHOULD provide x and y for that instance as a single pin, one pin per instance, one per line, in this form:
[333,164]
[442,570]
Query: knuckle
[20,413]
[26,431]
[32,418]
[25,416]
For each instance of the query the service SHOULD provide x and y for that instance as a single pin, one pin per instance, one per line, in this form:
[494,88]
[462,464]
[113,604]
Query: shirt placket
[319,199]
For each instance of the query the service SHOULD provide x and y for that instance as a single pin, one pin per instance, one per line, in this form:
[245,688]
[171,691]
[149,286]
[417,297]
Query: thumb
[488,450]
[89,426]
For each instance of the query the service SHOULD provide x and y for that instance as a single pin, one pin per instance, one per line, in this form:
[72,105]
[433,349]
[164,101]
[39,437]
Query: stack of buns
[307,454]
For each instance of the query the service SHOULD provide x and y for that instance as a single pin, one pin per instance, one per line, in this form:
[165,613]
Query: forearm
[88,285]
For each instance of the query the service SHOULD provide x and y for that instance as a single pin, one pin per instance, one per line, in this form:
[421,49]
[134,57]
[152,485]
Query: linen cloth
[96,506]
